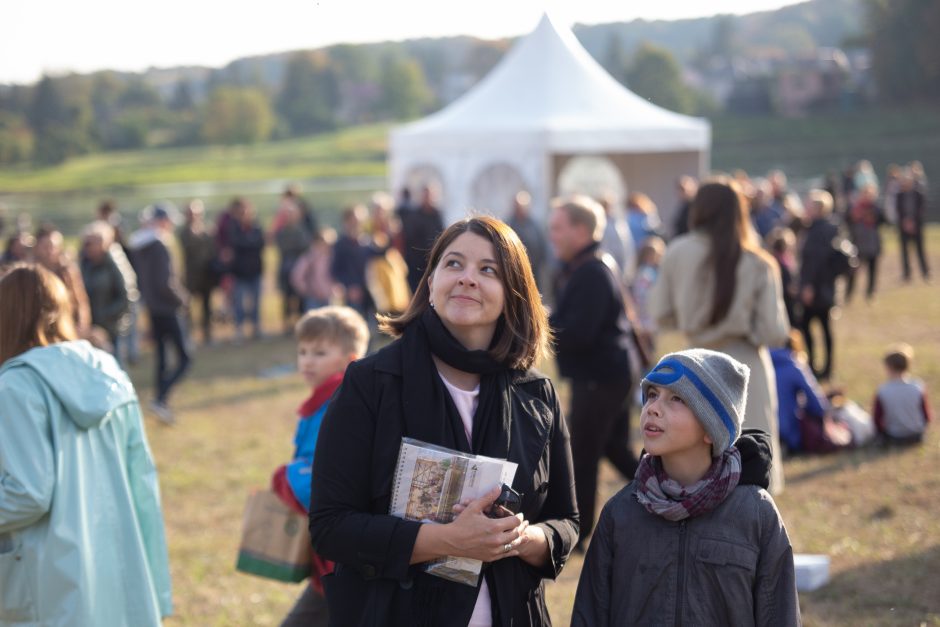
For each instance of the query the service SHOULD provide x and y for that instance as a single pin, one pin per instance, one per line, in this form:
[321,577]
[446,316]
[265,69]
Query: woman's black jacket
[354,464]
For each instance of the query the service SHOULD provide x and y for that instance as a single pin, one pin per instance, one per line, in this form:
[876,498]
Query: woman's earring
[431,302]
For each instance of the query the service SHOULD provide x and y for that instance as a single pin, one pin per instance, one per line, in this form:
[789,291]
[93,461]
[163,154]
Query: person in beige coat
[718,287]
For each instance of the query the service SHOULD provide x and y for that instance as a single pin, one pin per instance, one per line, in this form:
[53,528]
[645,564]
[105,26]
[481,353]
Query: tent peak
[548,81]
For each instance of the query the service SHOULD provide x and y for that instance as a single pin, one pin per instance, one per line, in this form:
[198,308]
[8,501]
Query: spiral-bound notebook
[429,480]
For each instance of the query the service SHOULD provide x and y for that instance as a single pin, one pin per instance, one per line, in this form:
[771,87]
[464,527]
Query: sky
[58,36]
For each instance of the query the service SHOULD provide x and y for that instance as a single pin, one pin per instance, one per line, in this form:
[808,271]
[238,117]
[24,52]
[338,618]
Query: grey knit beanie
[713,386]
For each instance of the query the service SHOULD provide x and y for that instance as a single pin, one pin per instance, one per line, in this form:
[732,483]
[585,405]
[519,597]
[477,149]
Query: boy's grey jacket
[732,566]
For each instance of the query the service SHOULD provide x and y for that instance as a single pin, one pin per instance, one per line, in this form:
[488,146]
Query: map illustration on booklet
[429,480]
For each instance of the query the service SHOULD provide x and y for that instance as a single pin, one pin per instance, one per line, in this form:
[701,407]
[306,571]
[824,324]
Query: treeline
[64,116]
[290,95]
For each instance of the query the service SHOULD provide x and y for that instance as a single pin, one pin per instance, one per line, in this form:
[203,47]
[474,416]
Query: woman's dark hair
[721,213]
[35,310]
[523,333]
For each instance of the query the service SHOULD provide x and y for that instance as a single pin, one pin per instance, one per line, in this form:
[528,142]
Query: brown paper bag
[275,542]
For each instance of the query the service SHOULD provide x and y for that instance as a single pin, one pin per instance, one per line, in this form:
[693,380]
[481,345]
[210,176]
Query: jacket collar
[583,255]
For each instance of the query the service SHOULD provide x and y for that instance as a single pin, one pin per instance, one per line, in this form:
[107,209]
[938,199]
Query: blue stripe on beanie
[679,370]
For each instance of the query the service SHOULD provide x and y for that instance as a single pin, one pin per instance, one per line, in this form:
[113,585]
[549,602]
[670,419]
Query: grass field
[875,513]
[808,148]
[357,151]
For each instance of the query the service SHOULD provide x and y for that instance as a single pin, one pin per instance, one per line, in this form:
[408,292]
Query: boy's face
[670,427]
[318,360]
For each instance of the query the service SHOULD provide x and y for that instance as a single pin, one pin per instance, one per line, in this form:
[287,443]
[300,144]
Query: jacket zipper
[680,588]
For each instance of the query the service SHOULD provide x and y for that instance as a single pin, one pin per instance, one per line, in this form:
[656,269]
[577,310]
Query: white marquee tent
[546,105]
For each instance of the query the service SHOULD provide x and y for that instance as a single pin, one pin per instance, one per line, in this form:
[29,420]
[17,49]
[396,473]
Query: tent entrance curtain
[655,174]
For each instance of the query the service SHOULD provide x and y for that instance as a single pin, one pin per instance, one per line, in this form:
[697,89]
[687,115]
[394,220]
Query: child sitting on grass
[684,542]
[901,410]
[328,340]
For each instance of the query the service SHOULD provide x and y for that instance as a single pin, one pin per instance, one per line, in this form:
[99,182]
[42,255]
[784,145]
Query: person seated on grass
[799,397]
[685,541]
[901,409]
[328,340]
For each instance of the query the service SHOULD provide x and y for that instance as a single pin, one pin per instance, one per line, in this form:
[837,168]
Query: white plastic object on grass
[812,571]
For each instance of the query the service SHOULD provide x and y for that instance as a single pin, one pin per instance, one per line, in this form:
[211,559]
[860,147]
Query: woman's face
[48,249]
[466,290]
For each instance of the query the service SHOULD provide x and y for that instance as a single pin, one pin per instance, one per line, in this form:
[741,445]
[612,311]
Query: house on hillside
[808,83]
[828,79]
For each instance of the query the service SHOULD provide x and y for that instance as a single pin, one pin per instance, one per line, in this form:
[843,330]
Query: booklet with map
[429,480]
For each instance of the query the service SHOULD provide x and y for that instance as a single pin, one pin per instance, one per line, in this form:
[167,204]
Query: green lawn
[358,151]
[810,147]
[875,513]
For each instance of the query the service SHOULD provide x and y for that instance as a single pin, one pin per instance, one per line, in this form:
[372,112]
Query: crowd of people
[745,272]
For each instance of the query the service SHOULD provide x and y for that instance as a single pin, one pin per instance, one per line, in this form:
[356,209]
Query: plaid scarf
[664,497]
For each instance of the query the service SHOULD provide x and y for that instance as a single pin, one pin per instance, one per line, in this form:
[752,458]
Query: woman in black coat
[472,331]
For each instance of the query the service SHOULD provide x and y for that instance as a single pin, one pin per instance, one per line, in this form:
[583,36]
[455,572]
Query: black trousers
[205,302]
[917,238]
[310,610]
[821,314]
[872,265]
[599,421]
[293,303]
[168,330]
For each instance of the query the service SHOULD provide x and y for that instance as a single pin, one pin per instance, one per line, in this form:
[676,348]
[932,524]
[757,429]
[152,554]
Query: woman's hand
[473,534]
[532,545]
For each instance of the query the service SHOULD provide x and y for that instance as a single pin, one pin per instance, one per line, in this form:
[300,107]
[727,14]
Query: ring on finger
[507,548]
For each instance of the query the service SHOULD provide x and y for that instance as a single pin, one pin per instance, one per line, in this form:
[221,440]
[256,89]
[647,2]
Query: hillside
[791,29]
[453,64]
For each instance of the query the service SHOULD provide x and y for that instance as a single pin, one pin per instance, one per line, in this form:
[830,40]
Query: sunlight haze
[57,37]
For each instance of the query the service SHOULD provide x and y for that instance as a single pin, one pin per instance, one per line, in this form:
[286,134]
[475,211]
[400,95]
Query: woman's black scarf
[437,602]
[425,393]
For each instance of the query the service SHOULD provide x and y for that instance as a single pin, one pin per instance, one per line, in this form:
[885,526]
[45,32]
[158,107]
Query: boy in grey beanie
[684,542]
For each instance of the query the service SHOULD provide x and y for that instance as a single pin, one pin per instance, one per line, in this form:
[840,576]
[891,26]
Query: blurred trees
[16,138]
[125,113]
[278,96]
[249,100]
[237,115]
[656,76]
[310,94]
[183,98]
[404,91]
[903,38]
[61,126]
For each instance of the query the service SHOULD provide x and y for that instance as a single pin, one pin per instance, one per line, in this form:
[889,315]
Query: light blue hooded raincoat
[81,530]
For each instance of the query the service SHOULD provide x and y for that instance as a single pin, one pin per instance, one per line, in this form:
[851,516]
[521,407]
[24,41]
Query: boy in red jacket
[328,340]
